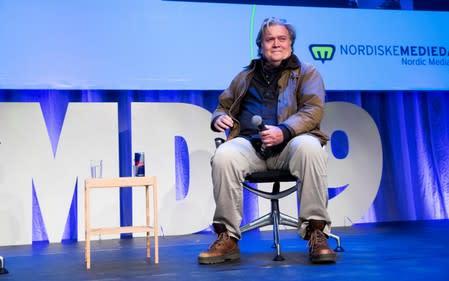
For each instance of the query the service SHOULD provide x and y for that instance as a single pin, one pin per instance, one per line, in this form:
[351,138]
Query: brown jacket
[300,101]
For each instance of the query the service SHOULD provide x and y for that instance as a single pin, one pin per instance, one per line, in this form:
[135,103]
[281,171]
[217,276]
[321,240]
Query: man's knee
[226,154]
[307,146]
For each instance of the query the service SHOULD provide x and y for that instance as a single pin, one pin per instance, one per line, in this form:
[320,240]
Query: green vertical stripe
[251,32]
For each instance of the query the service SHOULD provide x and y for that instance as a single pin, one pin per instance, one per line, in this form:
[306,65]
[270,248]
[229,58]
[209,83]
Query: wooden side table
[122,182]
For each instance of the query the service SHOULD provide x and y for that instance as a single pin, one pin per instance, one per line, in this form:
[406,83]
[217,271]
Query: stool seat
[275,176]
[269,175]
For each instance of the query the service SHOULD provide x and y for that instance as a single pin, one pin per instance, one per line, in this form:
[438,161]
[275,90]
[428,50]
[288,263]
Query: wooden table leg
[156,224]
[87,225]
[147,212]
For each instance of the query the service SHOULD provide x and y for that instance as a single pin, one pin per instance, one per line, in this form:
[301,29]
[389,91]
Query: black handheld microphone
[257,121]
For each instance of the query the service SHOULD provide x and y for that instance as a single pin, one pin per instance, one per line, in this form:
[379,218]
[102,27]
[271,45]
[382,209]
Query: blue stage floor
[387,251]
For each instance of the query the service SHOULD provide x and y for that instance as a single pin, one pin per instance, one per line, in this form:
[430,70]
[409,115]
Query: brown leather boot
[224,248]
[319,250]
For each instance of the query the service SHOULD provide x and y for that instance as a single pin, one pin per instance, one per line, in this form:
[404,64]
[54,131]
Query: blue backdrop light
[112,51]
[414,128]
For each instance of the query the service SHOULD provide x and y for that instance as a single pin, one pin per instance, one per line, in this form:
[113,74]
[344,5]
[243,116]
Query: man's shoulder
[300,66]
[308,69]
[307,66]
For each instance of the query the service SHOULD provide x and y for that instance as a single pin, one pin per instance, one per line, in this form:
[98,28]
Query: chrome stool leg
[339,248]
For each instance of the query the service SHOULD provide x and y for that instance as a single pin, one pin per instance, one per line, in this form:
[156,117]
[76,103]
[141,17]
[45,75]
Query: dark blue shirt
[260,99]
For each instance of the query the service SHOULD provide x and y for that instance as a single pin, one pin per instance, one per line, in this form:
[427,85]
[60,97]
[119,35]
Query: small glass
[96,169]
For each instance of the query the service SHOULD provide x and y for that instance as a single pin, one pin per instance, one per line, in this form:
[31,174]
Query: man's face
[276,44]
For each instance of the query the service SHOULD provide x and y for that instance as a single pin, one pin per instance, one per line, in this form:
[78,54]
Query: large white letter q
[361,169]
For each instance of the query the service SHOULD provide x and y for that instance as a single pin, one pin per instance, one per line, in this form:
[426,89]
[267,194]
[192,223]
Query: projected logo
[322,52]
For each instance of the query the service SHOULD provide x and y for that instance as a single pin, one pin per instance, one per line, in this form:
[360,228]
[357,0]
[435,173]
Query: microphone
[257,121]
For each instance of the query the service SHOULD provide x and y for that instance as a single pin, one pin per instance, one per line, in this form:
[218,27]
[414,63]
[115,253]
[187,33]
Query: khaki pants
[303,156]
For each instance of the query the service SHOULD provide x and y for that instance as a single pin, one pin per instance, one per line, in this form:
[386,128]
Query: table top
[120,181]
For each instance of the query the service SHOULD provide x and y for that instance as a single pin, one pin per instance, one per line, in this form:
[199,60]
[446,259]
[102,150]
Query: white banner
[153,44]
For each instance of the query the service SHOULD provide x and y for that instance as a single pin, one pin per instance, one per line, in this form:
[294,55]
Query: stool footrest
[270,195]
[267,219]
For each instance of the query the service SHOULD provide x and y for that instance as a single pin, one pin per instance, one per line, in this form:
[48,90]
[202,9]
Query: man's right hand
[223,123]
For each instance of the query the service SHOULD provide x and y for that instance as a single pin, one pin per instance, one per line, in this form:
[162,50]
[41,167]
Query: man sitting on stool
[289,96]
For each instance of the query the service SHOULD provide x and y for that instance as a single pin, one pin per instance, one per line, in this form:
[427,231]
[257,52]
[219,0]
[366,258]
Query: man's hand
[271,136]
[223,123]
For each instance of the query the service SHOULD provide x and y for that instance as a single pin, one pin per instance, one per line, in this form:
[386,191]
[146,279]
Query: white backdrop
[90,132]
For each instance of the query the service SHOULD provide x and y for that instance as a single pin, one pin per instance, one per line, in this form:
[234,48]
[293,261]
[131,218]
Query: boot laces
[219,241]
[316,238]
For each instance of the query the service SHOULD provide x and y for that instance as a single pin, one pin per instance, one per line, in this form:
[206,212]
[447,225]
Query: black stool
[275,217]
